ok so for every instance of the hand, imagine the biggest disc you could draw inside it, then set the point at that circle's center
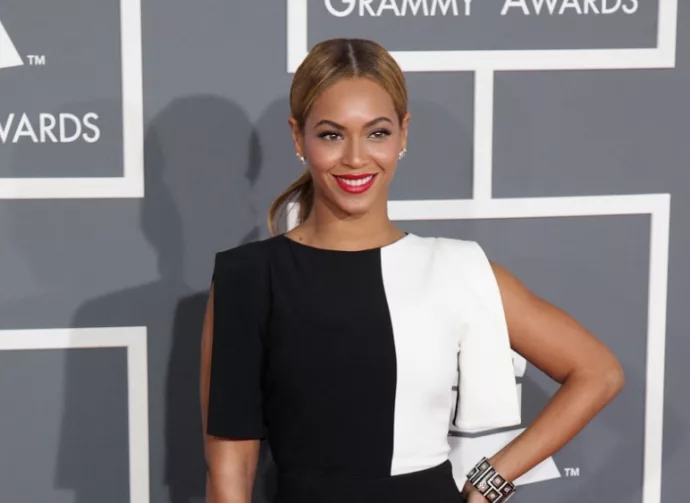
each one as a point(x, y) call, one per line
point(472, 495)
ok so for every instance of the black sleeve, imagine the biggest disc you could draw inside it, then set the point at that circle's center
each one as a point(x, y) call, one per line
point(240, 311)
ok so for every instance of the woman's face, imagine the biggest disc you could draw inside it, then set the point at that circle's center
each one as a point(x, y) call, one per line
point(351, 140)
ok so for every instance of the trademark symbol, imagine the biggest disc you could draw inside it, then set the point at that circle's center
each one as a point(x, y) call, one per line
point(572, 472)
point(36, 60)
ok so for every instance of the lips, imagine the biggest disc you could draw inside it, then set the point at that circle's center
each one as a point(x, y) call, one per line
point(355, 184)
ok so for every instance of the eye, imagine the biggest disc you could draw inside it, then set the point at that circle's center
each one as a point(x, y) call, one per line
point(379, 134)
point(329, 135)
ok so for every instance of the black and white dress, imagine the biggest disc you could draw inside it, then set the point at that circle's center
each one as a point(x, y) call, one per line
point(351, 363)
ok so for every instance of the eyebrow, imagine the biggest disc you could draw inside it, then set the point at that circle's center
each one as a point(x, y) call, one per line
point(340, 127)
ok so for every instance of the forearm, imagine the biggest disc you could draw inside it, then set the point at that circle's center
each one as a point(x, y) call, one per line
point(581, 396)
point(227, 490)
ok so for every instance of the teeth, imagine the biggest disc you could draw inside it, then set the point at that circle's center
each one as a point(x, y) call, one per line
point(356, 183)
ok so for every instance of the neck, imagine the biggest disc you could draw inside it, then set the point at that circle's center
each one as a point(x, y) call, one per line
point(325, 227)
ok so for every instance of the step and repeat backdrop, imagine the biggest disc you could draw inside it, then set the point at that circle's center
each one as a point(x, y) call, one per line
point(138, 138)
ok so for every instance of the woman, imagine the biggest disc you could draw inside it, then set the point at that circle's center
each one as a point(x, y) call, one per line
point(341, 340)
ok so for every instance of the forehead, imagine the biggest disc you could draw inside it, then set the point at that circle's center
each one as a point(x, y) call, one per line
point(350, 101)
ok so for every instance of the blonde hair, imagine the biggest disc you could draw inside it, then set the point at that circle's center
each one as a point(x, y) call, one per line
point(328, 62)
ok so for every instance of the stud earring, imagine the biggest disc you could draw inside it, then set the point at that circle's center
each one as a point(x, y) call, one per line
point(402, 153)
point(300, 157)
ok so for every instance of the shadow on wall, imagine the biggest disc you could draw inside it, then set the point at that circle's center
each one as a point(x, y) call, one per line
point(43, 234)
point(202, 161)
point(279, 165)
point(43, 230)
point(210, 175)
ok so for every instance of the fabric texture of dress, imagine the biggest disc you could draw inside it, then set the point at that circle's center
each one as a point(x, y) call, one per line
point(354, 364)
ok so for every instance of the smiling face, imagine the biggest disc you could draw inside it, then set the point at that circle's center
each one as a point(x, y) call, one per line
point(351, 139)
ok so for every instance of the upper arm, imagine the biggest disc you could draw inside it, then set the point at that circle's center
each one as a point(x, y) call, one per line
point(231, 378)
point(547, 336)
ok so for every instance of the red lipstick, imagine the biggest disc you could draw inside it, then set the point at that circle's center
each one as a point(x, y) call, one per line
point(355, 184)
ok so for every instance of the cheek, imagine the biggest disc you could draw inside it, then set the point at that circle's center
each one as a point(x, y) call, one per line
point(323, 156)
point(385, 154)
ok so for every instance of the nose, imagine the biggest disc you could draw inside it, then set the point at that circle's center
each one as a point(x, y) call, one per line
point(355, 155)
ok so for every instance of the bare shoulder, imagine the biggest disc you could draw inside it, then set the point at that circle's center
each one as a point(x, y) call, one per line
point(508, 282)
point(516, 295)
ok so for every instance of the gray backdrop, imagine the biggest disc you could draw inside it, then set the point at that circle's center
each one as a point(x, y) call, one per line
point(217, 150)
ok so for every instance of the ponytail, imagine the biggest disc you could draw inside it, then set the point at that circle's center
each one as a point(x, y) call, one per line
point(300, 191)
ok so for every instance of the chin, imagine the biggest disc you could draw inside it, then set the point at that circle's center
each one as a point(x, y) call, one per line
point(352, 204)
point(354, 208)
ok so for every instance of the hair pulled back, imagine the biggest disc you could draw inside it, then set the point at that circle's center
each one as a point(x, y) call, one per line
point(328, 62)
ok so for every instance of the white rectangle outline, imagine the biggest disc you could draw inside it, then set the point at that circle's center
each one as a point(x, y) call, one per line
point(131, 184)
point(663, 56)
point(132, 338)
point(658, 206)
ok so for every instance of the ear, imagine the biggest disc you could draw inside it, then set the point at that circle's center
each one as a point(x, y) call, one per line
point(297, 136)
point(403, 130)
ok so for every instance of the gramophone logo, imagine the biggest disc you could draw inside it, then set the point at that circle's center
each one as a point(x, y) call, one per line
point(9, 56)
